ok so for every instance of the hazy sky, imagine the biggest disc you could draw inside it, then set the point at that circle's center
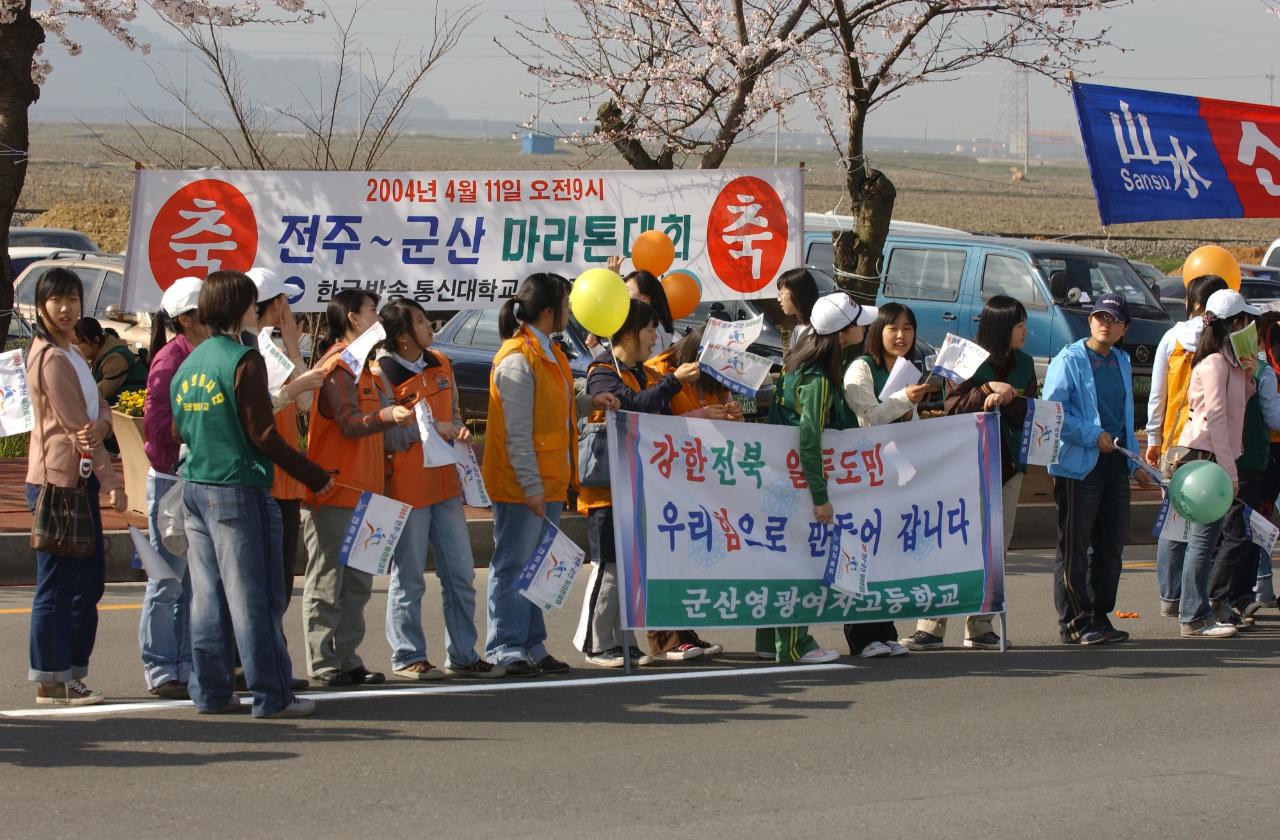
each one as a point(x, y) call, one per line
point(1219, 48)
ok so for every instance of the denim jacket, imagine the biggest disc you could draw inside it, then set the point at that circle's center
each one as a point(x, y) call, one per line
point(1070, 382)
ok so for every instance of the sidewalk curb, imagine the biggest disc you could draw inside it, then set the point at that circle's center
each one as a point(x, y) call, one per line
point(1037, 527)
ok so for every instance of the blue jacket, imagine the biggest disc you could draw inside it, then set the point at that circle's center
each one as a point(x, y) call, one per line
point(1070, 382)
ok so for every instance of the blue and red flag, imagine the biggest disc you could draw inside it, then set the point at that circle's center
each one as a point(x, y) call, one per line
point(1155, 156)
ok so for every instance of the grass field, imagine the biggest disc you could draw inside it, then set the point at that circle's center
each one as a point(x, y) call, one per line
point(70, 163)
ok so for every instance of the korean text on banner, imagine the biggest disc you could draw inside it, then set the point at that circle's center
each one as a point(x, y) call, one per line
point(1169, 525)
point(358, 351)
point(548, 576)
point(959, 359)
point(436, 451)
point(1041, 432)
point(16, 414)
point(714, 523)
point(473, 492)
point(375, 529)
point(846, 565)
point(1156, 156)
point(279, 366)
point(457, 240)
point(1260, 529)
point(724, 355)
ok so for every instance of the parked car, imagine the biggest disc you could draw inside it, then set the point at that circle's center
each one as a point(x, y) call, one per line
point(1256, 290)
point(945, 277)
point(25, 255)
point(1148, 272)
point(103, 279)
point(36, 237)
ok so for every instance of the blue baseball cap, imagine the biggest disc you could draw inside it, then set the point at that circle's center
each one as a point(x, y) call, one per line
point(1114, 305)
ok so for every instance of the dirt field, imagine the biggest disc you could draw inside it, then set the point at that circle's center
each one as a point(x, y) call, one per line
point(71, 164)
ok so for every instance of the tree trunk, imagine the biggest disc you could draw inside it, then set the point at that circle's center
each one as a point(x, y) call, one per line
point(18, 43)
point(860, 251)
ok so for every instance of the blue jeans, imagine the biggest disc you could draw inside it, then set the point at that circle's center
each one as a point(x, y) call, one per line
point(164, 634)
point(64, 612)
point(443, 528)
point(1169, 556)
point(237, 593)
point(516, 629)
point(1195, 572)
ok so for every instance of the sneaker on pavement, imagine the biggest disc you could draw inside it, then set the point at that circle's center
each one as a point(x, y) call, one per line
point(69, 693)
point(766, 655)
point(875, 649)
point(1115, 636)
point(299, 683)
point(709, 648)
point(481, 669)
point(640, 658)
point(1169, 609)
point(300, 707)
point(683, 652)
point(332, 678)
point(987, 641)
point(897, 648)
point(550, 665)
point(1208, 628)
point(520, 668)
point(607, 658)
point(231, 706)
point(363, 676)
point(1092, 636)
point(920, 640)
point(1250, 609)
point(171, 690)
point(423, 671)
point(818, 656)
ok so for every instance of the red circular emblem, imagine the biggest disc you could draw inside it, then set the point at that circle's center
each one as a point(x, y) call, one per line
point(747, 234)
point(204, 227)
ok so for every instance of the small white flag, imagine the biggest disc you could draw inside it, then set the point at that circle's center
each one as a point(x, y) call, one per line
point(1170, 526)
point(725, 358)
point(548, 576)
point(1041, 432)
point(436, 451)
point(847, 564)
point(376, 526)
point(1261, 531)
point(279, 366)
point(473, 492)
point(959, 359)
point(16, 415)
point(357, 351)
point(154, 565)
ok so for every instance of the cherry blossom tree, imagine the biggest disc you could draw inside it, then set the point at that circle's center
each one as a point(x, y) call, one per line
point(24, 27)
point(873, 50)
point(675, 79)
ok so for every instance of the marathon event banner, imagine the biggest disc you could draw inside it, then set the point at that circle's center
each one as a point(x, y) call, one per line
point(1155, 156)
point(456, 240)
point(714, 525)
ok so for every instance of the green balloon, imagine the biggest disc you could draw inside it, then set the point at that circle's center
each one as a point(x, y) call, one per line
point(1200, 491)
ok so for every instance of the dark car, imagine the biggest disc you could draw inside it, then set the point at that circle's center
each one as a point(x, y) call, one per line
point(1256, 290)
point(70, 240)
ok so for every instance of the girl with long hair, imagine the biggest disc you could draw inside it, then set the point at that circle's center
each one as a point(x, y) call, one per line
point(646, 288)
point(797, 293)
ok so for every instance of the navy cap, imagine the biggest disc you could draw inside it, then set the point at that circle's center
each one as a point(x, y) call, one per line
point(1114, 305)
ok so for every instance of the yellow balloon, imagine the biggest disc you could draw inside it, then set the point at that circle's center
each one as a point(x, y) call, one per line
point(1212, 259)
point(599, 301)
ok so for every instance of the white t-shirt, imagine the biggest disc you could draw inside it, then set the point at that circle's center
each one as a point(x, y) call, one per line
point(87, 386)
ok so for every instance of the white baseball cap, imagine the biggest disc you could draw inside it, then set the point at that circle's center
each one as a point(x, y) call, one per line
point(269, 284)
point(838, 310)
point(1225, 303)
point(182, 296)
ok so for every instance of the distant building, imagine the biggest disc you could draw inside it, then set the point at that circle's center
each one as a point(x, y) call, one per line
point(538, 144)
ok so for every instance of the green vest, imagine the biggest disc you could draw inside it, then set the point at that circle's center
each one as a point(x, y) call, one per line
point(879, 375)
point(135, 376)
point(1020, 376)
point(1256, 438)
point(208, 418)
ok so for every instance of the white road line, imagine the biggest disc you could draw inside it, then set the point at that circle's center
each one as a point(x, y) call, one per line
point(468, 688)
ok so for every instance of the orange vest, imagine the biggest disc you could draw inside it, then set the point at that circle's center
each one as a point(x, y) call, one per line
point(286, 487)
point(590, 498)
point(356, 462)
point(691, 397)
point(411, 482)
point(554, 414)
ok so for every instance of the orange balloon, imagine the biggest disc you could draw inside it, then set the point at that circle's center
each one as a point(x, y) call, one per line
point(683, 294)
point(653, 251)
point(1212, 259)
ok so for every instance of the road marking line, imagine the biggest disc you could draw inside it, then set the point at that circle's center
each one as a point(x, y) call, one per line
point(469, 688)
point(1140, 564)
point(101, 608)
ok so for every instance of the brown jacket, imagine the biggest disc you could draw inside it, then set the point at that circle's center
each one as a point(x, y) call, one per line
point(60, 411)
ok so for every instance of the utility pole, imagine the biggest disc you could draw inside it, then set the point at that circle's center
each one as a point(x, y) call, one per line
point(1026, 121)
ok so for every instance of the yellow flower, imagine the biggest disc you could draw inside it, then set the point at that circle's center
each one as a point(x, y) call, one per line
point(132, 403)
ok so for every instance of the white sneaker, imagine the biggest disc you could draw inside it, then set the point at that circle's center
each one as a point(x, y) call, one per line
point(1207, 628)
point(300, 707)
point(876, 649)
point(713, 649)
point(765, 655)
point(896, 649)
point(683, 652)
point(818, 656)
point(607, 658)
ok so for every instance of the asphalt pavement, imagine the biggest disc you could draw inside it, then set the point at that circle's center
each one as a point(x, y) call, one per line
point(1158, 737)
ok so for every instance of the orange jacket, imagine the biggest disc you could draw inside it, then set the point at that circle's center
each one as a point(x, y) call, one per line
point(357, 462)
point(411, 482)
point(590, 498)
point(691, 397)
point(554, 414)
point(285, 487)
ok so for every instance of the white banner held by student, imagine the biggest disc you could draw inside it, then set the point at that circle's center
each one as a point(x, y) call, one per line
point(376, 526)
point(279, 366)
point(548, 576)
point(847, 563)
point(473, 492)
point(357, 351)
point(1041, 432)
point(1261, 531)
point(16, 415)
point(436, 451)
point(959, 359)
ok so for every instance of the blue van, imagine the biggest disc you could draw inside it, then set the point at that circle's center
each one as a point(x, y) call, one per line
point(945, 276)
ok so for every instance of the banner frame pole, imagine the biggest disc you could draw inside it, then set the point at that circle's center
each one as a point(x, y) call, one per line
point(1004, 631)
point(624, 635)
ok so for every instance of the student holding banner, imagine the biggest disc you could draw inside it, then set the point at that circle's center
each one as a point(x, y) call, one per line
point(344, 436)
point(1093, 380)
point(891, 336)
point(66, 452)
point(164, 635)
point(1220, 388)
point(628, 379)
point(530, 462)
point(646, 288)
point(222, 412)
point(424, 376)
point(1001, 384)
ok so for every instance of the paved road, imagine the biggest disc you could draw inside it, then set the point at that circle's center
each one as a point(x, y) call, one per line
point(1157, 738)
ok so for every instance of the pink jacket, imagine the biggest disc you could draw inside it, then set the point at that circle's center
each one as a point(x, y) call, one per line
point(60, 411)
point(1216, 398)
